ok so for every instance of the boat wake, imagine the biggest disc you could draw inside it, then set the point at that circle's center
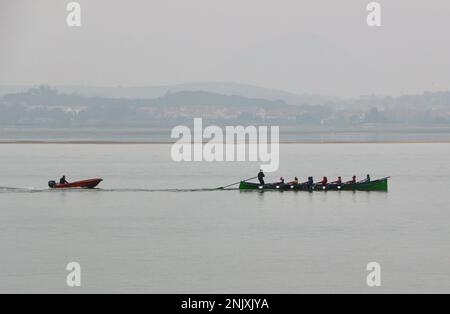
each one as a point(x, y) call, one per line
point(157, 190)
point(20, 190)
point(10, 190)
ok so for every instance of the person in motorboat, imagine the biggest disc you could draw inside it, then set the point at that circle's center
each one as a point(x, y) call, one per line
point(63, 180)
point(261, 176)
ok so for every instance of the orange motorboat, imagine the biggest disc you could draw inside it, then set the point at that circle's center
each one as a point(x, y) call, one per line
point(85, 184)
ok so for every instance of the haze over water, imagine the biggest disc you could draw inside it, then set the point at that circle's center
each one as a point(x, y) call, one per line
point(129, 238)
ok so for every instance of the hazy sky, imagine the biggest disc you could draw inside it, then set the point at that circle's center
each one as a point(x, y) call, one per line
point(314, 46)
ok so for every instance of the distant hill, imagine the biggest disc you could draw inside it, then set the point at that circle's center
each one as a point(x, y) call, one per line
point(48, 107)
point(224, 88)
point(203, 98)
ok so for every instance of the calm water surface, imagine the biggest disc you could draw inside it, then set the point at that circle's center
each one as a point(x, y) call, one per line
point(129, 238)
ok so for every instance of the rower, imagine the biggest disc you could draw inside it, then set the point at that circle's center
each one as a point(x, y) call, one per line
point(281, 180)
point(353, 180)
point(338, 181)
point(366, 180)
point(261, 176)
point(295, 182)
point(63, 180)
point(324, 181)
point(310, 183)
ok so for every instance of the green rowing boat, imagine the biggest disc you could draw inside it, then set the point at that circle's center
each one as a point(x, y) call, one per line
point(374, 185)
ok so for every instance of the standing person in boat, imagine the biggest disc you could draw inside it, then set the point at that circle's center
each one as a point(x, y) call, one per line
point(261, 176)
point(63, 180)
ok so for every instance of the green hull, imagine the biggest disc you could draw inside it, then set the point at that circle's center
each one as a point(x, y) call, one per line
point(375, 185)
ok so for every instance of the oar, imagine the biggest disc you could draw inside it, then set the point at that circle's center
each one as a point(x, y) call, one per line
point(227, 186)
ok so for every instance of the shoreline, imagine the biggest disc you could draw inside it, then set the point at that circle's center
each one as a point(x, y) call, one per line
point(96, 142)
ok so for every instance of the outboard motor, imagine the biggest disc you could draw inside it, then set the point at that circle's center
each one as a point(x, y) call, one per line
point(51, 184)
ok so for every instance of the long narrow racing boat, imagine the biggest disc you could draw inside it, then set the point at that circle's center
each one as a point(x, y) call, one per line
point(374, 185)
point(85, 184)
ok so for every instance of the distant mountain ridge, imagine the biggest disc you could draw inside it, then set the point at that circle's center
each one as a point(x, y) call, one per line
point(203, 98)
point(48, 107)
point(224, 88)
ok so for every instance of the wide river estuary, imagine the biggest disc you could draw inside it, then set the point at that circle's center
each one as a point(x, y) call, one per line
point(136, 233)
